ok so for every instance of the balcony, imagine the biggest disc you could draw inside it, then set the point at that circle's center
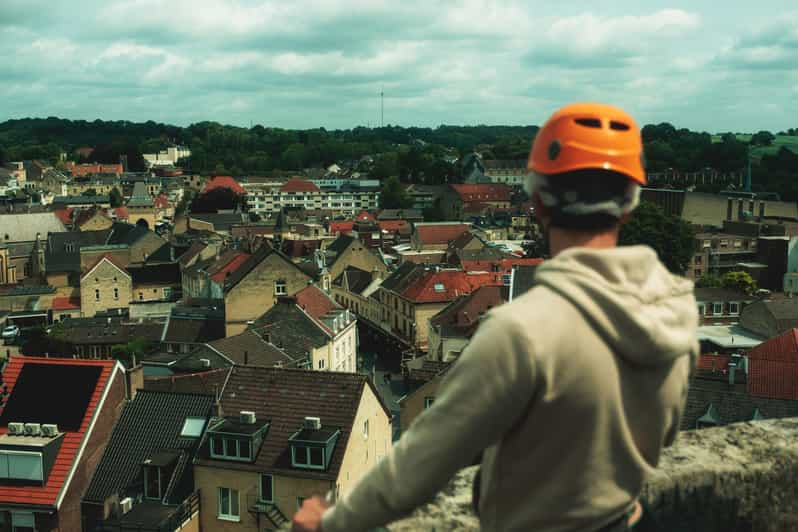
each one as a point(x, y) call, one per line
point(152, 516)
point(269, 510)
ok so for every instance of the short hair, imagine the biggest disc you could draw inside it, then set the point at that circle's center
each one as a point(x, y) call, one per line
point(586, 200)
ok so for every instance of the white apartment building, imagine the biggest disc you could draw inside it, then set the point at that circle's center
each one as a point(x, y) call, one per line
point(270, 197)
point(167, 157)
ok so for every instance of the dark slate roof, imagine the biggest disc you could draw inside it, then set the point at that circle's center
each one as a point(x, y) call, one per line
point(149, 424)
point(203, 382)
point(357, 280)
point(340, 244)
point(122, 233)
point(720, 294)
point(403, 276)
point(523, 279)
point(105, 330)
point(731, 406)
point(167, 253)
point(256, 258)
point(167, 273)
point(222, 221)
point(249, 348)
point(291, 329)
point(193, 330)
point(58, 259)
point(285, 397)
point(770, 318)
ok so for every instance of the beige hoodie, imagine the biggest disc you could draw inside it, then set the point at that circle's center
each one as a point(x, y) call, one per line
point(572, 390)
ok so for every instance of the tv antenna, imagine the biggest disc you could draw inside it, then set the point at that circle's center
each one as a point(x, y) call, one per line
point(382, 108)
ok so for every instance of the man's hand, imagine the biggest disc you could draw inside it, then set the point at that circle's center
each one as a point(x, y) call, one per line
point(308, 518)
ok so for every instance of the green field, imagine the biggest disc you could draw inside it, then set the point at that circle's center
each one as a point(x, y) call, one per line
point(781, 140)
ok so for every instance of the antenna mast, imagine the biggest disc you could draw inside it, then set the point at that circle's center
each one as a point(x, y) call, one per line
point(382, 108)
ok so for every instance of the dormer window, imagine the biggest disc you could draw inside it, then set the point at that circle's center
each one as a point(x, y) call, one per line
point(237, 438)
point(312, 445)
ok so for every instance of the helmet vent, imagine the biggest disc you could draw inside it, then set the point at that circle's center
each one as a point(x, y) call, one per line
point(619, 126)
point(589, 122)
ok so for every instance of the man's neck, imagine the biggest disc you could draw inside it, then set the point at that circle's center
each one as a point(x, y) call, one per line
point(562, 239)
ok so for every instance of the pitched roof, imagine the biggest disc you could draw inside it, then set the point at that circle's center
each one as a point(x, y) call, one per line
point(285, 397)
point(223, 181)
point(357, 280)
point(341, 243)
point(461, 317)
point(340, 226)
point(140, 196)
point(297, 184)
point(79, 386)
point(770, 317)
point(264, 251)
point(63, 249)
point(24, 227)
point(193, 250)
point(166, 273)
point(445, 285)
point(126, 234)
point(221, 221)
point(315, 301)
point(291, 329)
point(364, 216)
point(502, 265)
point(151, 423)
point(161, 201)
point(720, 294)
point(395, 226)
point(482, 192)
point(192, 329)
point(202, 382)
point(400, 214)
point(64, 214)
point(105, 258)
point(773, 367)
point(231, 266)
point(439, 233)
point(249, 348)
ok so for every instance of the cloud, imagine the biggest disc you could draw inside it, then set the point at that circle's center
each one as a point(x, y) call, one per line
point(774, 46)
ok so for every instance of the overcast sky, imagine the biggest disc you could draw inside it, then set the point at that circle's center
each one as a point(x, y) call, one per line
point(702, 64)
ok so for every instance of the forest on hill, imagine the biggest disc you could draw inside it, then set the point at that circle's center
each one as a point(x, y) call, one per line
point(411, 153)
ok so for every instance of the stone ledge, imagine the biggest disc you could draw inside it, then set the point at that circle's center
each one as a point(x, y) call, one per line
point(737, 478)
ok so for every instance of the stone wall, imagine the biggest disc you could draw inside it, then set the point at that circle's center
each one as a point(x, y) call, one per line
point(737, 478)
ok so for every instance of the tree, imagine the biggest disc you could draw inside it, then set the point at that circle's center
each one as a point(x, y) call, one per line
point(740, 281)
point(215, 200)
point(670, 236)
point(132, 351)
point(394, 196)
point(762, 138)
point(434, 213)
point(709, 281)
point(116, 198)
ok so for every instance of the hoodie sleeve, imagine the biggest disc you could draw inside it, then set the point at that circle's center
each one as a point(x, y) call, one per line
point(484, 393)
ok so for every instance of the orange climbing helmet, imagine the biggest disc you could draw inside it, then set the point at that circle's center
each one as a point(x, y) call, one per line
point(584, 136)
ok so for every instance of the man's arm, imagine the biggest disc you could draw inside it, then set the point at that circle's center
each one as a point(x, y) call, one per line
point(484, 393)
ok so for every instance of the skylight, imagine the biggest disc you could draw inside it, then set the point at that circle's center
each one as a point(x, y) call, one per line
point(192, 427)
point(439, 287)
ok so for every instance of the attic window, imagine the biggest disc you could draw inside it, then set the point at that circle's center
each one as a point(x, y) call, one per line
point(192, 427)
point(439, 287)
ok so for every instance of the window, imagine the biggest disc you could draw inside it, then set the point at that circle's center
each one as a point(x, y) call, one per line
point(506, 280)
point(697, 259)
point(167, 293)
point(321, 363)
point(734, 308)
point(21, 465)
point(707, 243)
point(23, 522)
point(96, 294)
point(307, 457)
point(279, 288)
point(738, 243)
point(428, 402)
point(717, 309)
point(228, 504)
point(192, 427)
point(266, 488)
point(366, 429)
point(698, 272)
point(439, 287)
point(152, 482)
point(231, 448)
point(141, 296)
point(116, 293)
point(701, 310)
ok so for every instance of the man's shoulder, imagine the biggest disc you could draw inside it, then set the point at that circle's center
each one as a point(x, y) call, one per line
point(537, 307)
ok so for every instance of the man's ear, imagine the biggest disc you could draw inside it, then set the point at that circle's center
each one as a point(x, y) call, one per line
point(625, 218)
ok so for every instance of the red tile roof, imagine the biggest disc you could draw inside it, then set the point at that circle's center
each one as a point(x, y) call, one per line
point(446, 285)
point(162, 201)
point(80, 170)
point(340, 227)
point(48, 494)
point(297, 184)
point(393, 226)
point(315, 302)
point(714, 362)
point(364, 216)
point(223, 181)
point(66, 303)
point(222, 273)
point(65, 215)
point(482, 192)
point(773, 367)
point(440, 233)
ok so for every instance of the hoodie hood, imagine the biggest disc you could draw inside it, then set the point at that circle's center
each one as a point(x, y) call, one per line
point(647, 315)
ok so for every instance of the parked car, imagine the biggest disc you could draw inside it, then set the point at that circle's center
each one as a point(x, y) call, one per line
point(11, 331)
